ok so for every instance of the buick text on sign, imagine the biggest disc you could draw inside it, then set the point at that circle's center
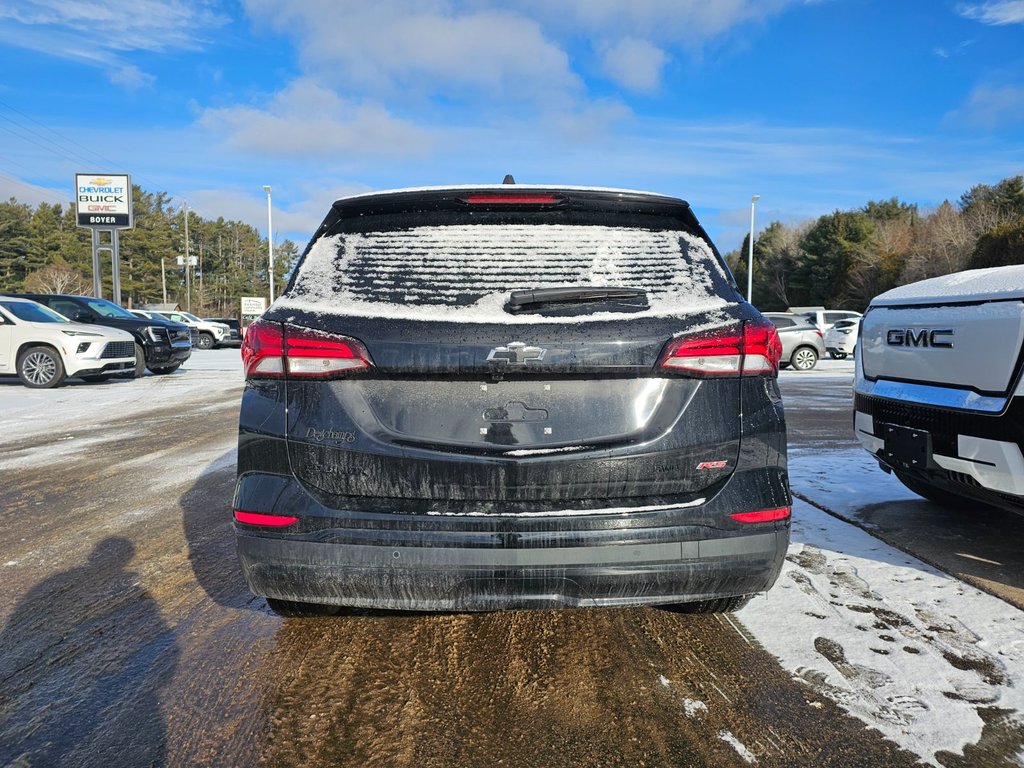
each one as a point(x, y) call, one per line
point(103, 200)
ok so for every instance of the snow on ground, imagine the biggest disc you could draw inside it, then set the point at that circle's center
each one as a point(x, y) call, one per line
point(25, 412)
point(908, 649)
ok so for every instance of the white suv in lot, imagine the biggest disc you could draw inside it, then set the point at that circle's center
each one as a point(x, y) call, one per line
point(43, 347)
point(939, 394)
point(210, 334)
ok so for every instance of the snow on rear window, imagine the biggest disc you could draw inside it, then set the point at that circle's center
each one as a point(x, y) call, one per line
point(464, 273)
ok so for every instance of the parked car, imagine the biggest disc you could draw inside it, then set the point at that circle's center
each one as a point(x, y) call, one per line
point(841, 338)
point(152, 314)
point(234, 336)
point(208, 334)
point(802, 342)
point(939, 395)
point(515, 397)
point(43, 347)
point(160, 345)
point(824, 319)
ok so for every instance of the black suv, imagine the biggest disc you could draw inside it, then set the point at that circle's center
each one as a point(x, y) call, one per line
point(506, 397)
point(234, 337)
point(160, 345)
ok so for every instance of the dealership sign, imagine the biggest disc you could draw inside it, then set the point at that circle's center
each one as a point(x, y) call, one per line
point(103, 200)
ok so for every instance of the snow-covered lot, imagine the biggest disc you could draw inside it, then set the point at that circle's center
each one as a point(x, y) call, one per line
point(928, 660)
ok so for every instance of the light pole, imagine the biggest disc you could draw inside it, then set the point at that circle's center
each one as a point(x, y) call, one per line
point(750, 252)
point(270, 241)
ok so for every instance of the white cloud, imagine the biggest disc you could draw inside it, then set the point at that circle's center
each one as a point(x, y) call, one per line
point(634, 64)
point(400, 47)
point(101, 33)
point(991, 107)
point(687, 22)
point(996, 13)
point(307, 119)
point(119, 25)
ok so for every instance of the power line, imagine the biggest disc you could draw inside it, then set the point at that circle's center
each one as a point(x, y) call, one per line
point(56, 148)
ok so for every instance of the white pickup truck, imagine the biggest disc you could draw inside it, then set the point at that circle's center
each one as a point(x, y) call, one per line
point(939, 396)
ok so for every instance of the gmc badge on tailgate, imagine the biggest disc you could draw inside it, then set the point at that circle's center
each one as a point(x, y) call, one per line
point(919, 337)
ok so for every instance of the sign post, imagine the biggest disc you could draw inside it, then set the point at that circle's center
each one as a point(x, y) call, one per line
point(103, 203)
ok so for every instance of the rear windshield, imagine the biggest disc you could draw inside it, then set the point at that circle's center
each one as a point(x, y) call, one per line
point(465, 272)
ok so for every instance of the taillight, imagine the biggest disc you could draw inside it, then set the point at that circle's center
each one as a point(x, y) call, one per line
point(258, 518)
point(761, 516)
point(753, 352)
point(272, 350)
point(511, 199)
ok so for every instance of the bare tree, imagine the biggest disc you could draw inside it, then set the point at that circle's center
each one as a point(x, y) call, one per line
point(57, 278)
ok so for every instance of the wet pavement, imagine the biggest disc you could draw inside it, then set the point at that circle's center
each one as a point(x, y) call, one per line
point(129, 639)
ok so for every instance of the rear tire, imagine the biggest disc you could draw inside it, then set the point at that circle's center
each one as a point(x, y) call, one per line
point(40, 368)
point(939, 496)
point(804, 358)
point(718, 605)
point(291, 609)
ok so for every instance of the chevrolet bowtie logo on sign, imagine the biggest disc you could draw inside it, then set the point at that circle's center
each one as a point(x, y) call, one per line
point(516, 353)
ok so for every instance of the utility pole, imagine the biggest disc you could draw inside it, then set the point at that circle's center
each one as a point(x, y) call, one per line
point(163, 278)
point(188, 265)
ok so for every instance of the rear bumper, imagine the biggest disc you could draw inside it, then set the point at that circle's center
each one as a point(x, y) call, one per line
point(446, 563)
point(449, 579)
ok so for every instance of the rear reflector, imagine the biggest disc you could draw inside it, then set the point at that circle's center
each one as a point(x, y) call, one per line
point(512, 199)
point(756, 351)
point(258, 518)
point(271, 350)
point(763, 516)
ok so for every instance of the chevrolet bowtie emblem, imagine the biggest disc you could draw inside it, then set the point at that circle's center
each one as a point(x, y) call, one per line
point(516, 353)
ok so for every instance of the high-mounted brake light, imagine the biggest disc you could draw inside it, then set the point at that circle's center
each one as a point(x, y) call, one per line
point(761, 516)
point(501, 199)
point(272, 350)
point(755, 351)
point(258, 518)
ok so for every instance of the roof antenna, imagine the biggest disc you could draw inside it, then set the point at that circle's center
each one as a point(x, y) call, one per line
point(508, 179)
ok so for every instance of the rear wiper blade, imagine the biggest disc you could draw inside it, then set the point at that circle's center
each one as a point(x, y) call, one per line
point(519, 301)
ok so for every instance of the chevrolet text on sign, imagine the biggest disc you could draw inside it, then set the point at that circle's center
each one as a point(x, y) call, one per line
point(103, 200)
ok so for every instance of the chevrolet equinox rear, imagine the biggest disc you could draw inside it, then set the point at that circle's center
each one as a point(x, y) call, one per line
point(478, 398)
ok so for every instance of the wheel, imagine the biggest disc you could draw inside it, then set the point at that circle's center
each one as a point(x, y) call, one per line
point(40, 368)
point(205, 341)
point(291, 609)
point(804, 358)
point(939, 496)
point(96, 377)
point(140, 364)
point(718, 605)
point(161, 370)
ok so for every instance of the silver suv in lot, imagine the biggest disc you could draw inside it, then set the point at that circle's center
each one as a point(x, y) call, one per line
point(802, 342)
point(939, 393)
point(477, 398)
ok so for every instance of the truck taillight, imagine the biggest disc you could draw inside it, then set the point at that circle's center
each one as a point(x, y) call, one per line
point(274, 350)
point(754, 351)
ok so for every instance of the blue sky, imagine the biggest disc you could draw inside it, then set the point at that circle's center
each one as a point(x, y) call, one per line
point(814, 105)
